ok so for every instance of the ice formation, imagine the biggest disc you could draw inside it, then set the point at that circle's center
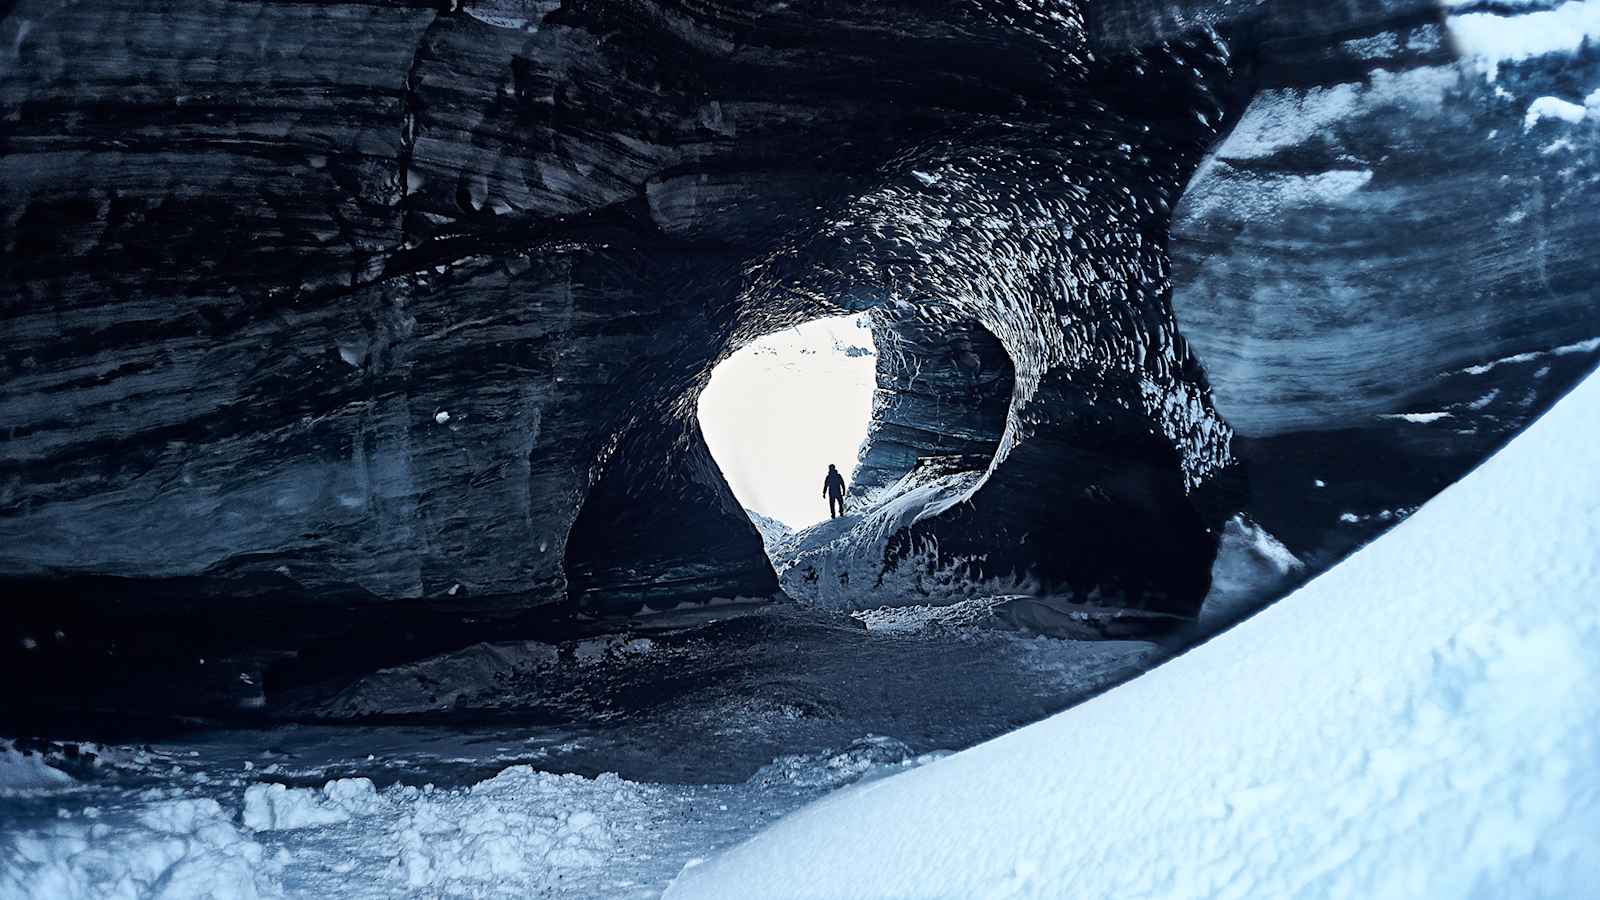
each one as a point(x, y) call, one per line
point(1418, 721)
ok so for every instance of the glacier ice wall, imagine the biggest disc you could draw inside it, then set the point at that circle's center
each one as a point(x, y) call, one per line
point(379, 324)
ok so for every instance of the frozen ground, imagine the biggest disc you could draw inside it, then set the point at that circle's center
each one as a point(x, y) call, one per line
point(164, 822)
point(611, 808)
point(1419, 721)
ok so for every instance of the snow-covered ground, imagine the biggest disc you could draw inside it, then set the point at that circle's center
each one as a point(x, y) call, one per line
point(162, 823)
point(1420, 721)
point(768, 713)
point(838, 563)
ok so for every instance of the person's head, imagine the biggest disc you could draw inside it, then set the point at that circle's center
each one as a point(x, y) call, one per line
point(831, 468)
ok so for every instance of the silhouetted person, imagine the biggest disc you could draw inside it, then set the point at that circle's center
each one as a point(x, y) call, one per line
point(833, 489)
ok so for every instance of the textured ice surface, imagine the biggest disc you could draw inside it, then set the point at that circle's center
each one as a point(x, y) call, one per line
point(1418, 721)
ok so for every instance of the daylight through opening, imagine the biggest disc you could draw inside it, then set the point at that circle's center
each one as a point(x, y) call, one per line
point(784, 407)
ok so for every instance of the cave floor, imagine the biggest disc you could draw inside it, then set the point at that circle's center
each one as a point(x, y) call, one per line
point(613, 806)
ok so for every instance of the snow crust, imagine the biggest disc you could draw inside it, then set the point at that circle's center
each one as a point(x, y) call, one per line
point(1418, 721)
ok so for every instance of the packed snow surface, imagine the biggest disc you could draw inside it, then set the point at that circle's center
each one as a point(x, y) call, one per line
point(1420, 721)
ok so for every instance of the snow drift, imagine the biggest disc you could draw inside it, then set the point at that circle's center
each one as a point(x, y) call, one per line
point(1419, 721)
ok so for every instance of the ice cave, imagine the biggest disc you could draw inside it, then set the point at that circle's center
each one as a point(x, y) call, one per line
point(414, 419)
point(784, 407)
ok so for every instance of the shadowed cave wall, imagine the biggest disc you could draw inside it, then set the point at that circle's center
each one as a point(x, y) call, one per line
point(435, 333)
point(317, 311)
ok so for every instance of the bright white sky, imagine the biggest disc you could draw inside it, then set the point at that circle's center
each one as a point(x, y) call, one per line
point(777, 412)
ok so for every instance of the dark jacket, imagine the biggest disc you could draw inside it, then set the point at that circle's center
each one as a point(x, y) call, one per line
point(833, 485)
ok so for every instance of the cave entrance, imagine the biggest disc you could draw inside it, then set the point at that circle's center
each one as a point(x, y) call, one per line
point(780, 410)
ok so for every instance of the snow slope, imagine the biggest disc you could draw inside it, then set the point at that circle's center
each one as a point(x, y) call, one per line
point(1420, 721)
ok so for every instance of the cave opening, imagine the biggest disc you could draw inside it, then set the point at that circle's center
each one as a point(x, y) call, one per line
point(782, 408)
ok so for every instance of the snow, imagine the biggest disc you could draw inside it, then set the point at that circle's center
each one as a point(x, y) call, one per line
point(1552, 108)
point(1417, 721)
point(275, 807)
point(872, 755)
point(1422, 418)
point(174, 849)
point(521, 833)
point(518, 833)
point(1585, 346)
point(1494, 39)
point(827, 564)
point(27, 773)
point(1251, 568)
point(772, 531)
